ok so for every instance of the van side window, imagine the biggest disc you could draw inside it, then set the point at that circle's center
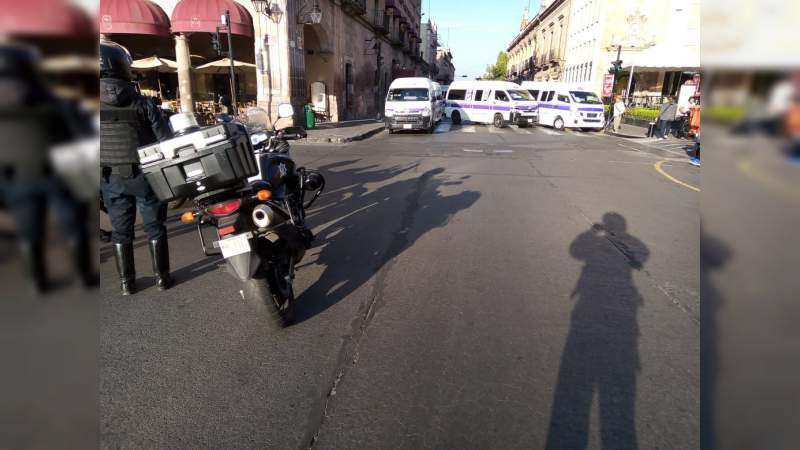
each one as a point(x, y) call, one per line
point(534, 93)
point(563, 98)
point(501, 95)
point(478, 95)
point(550, 96)
point(456, 94)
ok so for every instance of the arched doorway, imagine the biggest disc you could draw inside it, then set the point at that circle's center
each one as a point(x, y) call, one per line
point(319, 73)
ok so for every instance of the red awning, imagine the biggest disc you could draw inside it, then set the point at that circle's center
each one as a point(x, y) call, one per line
point(192, 16)
point(132, 17)
point(45, 18)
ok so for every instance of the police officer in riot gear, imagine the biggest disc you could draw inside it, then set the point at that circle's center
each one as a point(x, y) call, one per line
point(32, 120)
point(129, 120)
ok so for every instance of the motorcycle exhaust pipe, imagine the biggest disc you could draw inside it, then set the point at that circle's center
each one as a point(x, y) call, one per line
point(263, 216)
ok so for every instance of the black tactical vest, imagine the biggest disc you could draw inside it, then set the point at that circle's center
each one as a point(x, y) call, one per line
point(120, 129)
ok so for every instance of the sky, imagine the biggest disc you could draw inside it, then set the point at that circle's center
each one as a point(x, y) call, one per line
point(479, 29)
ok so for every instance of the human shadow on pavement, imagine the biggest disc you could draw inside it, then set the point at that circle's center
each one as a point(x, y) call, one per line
point(361, 232)
point(601, 354)
point(714, 255)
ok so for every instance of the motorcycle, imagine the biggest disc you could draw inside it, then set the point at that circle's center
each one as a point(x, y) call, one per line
point(260, 224)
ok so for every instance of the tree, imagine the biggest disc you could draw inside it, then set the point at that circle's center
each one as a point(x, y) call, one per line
point(498, 70)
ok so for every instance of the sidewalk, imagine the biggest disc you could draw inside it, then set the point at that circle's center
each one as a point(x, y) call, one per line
point(342, 132)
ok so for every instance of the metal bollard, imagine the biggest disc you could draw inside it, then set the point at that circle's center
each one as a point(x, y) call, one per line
point(651, 129)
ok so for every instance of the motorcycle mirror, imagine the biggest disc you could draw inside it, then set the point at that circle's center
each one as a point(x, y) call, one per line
point(285, 110)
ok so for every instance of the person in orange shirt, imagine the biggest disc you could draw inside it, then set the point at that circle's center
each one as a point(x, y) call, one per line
point(694, 116)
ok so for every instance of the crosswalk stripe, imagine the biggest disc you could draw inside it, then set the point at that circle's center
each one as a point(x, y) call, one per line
point(549, 131)
point(444, 127)
point(520, 130)
point(468, 129)
point(492, 129)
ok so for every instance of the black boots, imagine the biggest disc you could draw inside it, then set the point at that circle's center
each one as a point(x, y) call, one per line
point(32, 256)
point(123, 253)
point(159, 253)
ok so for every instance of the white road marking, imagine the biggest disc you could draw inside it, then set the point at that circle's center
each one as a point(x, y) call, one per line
point(493, 129)
point(502, 151)
point(549, 131)
point(520, 130)
point(472, 150)
point(468, 129)
point(444, 127)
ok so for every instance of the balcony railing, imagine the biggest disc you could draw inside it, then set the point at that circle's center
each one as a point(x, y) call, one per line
point(354, 7)
point(380, 21)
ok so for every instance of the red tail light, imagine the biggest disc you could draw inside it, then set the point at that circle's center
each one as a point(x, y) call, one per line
point(224, 209)
point(224, 231)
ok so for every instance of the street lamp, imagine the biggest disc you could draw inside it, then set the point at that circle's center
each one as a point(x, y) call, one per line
point(314, 16)
point(269, 9)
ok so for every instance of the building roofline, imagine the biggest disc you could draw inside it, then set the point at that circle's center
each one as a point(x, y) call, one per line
point(532, 23)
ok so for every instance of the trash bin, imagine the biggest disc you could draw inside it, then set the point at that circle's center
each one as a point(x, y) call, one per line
point(309, 108)
point(651, 129)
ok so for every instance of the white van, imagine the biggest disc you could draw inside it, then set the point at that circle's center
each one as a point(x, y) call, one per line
point(566, 105)
point(495, 102)
point(413, 104)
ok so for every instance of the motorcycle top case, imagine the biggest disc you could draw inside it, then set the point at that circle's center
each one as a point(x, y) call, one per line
point(198, 162)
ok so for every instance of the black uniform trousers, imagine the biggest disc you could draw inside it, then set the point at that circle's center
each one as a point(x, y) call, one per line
point(122, 195)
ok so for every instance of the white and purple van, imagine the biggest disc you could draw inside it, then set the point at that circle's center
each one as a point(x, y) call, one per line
point(491, 102)
point(413, 104)
point(565, 105)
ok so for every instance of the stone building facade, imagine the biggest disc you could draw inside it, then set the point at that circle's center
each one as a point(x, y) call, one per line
point(444, 65)
point(538, 51)
point(430, 42)
point(659, 44)
point(345, 60)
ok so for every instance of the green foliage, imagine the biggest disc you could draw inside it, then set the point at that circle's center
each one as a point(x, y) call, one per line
point(727, 114)
point(642, 113)
point(497, 71)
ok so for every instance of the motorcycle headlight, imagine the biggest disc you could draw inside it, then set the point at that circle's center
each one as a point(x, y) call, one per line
point(257, 138)
point(426, 112)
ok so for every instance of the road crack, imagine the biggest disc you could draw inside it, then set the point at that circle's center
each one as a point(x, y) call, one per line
point(349, 353)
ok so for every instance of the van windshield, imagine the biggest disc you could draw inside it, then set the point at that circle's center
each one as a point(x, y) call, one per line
point(585, 97)
point(407, 95)
point(520, 95)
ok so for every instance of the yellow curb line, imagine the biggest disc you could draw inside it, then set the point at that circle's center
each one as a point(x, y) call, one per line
point(673, 179)
point(746, 168)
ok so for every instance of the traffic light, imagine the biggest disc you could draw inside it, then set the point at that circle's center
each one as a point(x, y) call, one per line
point(215, 43)
point(616, 67)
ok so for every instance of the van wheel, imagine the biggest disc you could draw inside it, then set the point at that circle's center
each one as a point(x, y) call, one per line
point(456, 118)
point(498, 121)
point(558, 124)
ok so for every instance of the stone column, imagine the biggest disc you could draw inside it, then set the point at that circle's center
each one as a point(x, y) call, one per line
point(184, 71)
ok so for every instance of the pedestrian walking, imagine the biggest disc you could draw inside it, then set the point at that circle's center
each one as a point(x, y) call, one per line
point(665, 117)
point(129, 120)
point(619, 110)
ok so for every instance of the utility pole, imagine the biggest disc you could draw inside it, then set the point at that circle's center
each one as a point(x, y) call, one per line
point(226, 25)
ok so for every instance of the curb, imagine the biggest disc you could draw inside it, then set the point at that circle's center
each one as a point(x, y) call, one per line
point(623, 135)
point(345, 139)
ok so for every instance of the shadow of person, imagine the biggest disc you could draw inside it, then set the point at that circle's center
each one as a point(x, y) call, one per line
point(714, 255)
point(601, 353)
point(355, 229)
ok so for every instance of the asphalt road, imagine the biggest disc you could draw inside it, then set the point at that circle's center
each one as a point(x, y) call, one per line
point(474, 288)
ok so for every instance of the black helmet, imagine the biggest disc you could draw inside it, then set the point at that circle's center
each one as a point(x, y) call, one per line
point(115, 61)
point(18, 61)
